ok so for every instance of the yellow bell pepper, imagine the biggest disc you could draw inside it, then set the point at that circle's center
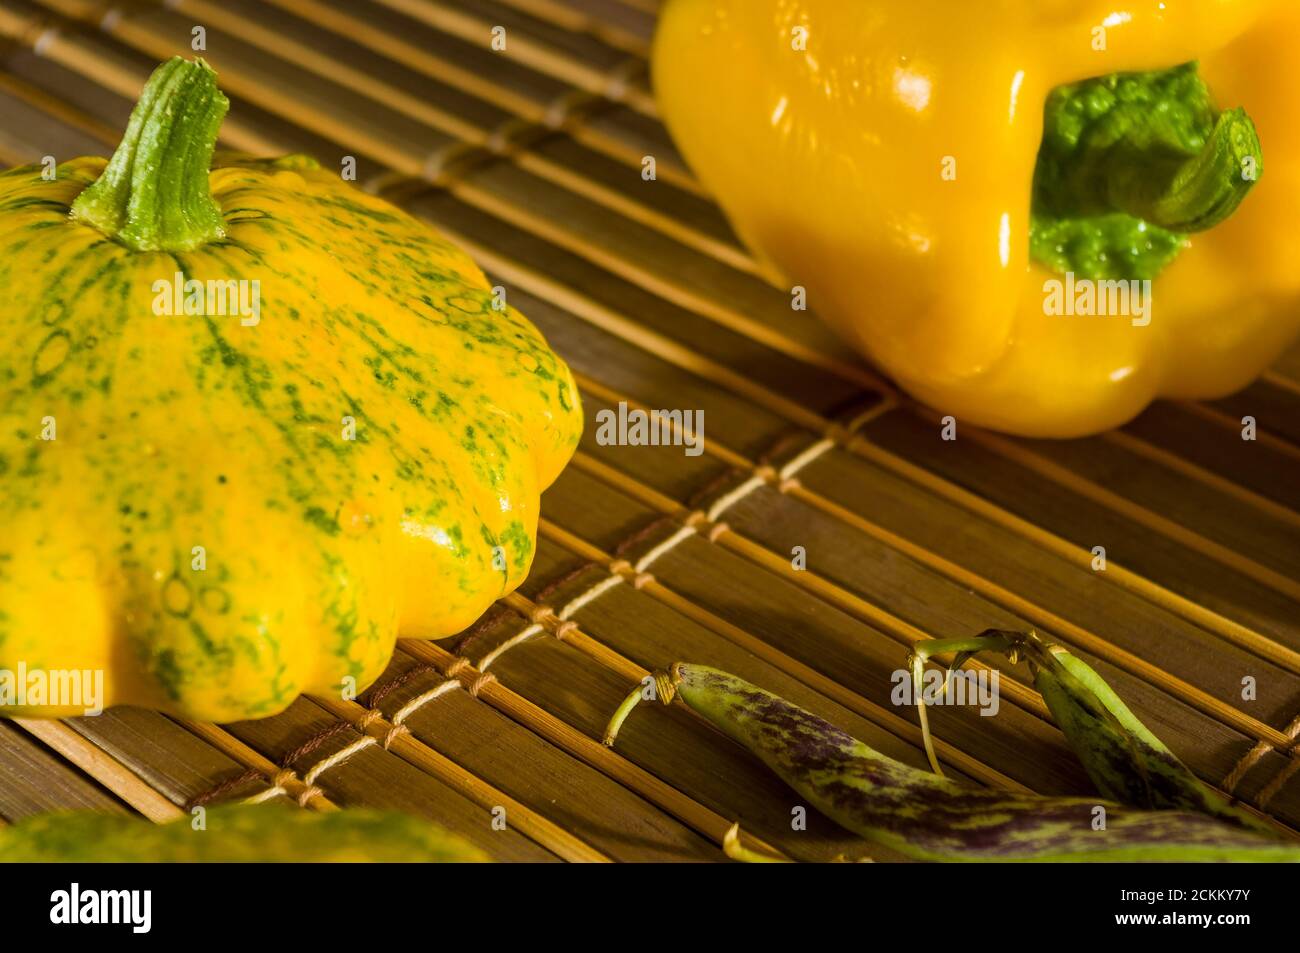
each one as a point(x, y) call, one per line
point(886, 157)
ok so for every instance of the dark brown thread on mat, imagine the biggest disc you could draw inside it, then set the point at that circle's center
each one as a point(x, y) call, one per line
point(1274, 787)
point(279, 780)
point(32, 36)
point(839, 435)
point(618, 79)
point(619, 567)
point(391, 734)
point(1256, 754)
point(699, 521)
point(771, 472)
point(725, 478)
point(93, 20)
point(482, 681)
point(645, 531)
point(851, 408)
point(445, 168)
point(548, 618)
point(378, 693)
point(624, 569)
point(314, 742)
point(787, 441)
point(556, 584)
point(488, 620)
point(568, 107)
point(514, 135)
point(225, 787)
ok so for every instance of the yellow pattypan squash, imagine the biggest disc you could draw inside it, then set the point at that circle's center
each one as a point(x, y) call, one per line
point(253, 425)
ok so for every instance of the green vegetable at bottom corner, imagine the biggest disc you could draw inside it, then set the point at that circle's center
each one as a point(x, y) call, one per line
point(235, 834)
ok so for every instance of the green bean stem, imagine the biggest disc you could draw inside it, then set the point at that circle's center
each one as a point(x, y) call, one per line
point(620, 715)
point(665, 690)
point(1122, 757)
point(965, 648)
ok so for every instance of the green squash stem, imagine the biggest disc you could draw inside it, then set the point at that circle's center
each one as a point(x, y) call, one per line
point(154, 193)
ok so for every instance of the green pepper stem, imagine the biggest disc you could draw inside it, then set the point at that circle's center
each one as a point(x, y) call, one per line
point(154, 194)
point(1201, 192)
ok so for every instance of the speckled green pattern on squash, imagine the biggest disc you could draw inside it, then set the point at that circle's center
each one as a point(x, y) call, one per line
point(238, 833)
point(231, 514)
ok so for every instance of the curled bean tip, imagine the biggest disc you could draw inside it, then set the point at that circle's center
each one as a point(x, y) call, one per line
point(733, 848)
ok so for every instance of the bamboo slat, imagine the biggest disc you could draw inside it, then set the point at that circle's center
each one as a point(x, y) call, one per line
point(569, 57)
point(162, 754)
point(509, 755)
point(255, 761)
point(377, 778)
point(614, 130)
point(765, 606)
point(728, 784)
point(939, 530)
point(615, 24)
point(806, 674)
point(35, 780)
point(101, 766)
point(1086, 523)
point(559, 732)
point(429, 761)
point(1178, 429)
point(685, 217)
point(811, 579)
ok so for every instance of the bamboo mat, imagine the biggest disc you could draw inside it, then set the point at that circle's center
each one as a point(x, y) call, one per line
point(531, 159)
